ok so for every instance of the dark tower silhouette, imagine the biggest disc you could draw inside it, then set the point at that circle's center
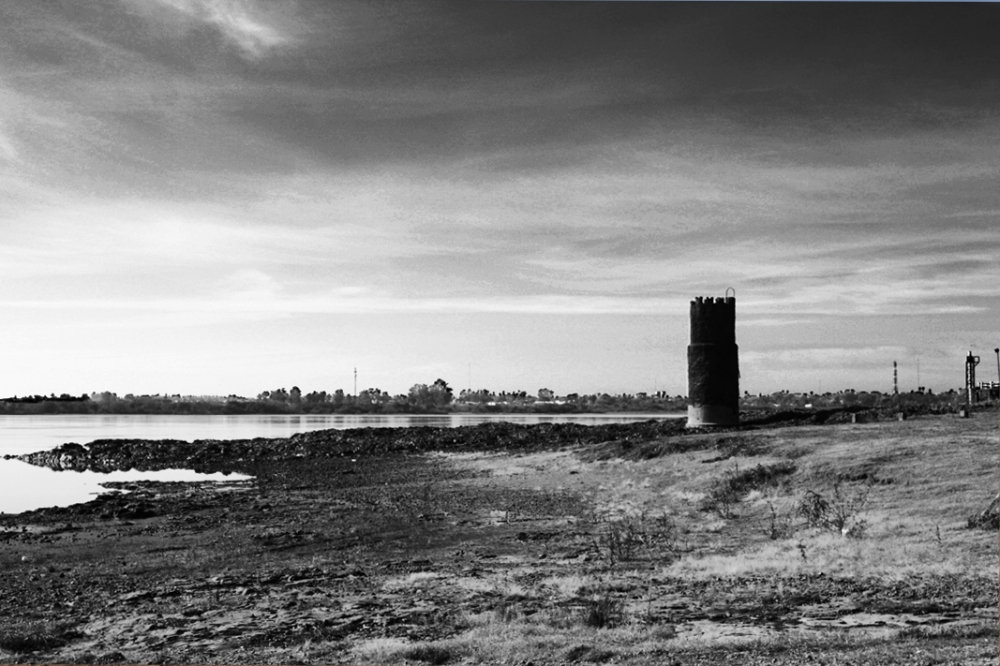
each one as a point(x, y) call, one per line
point(713, 364)
point(971, 394)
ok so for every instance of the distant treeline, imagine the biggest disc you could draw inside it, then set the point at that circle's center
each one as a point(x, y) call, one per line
point(439, 398)
point(435, 398)
point(65, 397)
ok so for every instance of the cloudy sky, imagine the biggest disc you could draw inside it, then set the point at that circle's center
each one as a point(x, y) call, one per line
point(228, 196)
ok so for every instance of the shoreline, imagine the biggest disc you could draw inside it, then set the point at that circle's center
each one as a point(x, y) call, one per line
point(496, 543)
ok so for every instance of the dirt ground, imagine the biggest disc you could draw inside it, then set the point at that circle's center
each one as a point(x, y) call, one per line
point(826, 544)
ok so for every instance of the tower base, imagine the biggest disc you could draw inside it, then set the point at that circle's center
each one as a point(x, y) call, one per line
point(700, 416)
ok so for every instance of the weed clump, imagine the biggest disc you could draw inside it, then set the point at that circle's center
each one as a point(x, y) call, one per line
point(623, 540)
point(429, 654)
point(988, 518)
point(735, 485)
point(589, 654)
point(508, 610)
point(603, 611)
point(37, 636)
point(837, 513)
point(778, 524)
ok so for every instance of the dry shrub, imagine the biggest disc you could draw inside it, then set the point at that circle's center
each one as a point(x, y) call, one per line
point(735, 485)
point(988, 518)
point(508, 610)
point(623, 540)
point(429, 654)
point(604, 611)
point(838, 512)
point(37, 636)
point(589, 654)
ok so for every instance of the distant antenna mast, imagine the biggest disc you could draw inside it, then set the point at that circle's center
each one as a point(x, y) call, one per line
point(895, 379)
point(355, 382)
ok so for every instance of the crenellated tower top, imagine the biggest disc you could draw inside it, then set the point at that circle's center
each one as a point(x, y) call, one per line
point(713, 363)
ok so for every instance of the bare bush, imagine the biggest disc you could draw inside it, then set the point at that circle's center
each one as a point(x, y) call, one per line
point(778, 524)
point(838, 512)
point(624, 539)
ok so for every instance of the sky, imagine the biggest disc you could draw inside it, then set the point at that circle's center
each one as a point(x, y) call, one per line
point(232, 196)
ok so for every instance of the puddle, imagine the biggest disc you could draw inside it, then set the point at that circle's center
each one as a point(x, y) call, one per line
point(25, 487)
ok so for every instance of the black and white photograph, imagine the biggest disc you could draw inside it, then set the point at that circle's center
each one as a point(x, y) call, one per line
point(521, 332)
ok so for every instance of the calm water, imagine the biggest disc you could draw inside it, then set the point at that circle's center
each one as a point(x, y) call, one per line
point(24, 487)
point(25, 434)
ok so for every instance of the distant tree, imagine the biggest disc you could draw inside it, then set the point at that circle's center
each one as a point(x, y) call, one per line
point(315, 398)
point(372, 396)
point(436, 396)
point(442, 392)
point(419, 395)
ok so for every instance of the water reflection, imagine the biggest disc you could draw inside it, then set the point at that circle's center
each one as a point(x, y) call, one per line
point(27, 434)
point(25, 487)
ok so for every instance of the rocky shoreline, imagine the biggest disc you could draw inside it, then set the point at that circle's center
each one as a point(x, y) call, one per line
point(105, 455)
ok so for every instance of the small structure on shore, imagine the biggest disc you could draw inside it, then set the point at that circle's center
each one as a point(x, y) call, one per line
point(713, 363)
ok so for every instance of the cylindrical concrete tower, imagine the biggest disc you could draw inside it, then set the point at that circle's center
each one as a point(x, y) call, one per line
point(713, 364)
point(971, 394)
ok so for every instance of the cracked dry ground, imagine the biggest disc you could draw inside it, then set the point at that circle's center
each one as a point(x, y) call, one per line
point(468, 557)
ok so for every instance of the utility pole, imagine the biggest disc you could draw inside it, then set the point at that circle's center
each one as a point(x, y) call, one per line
point(895, 380)
point(355, 382)
point(997, 352)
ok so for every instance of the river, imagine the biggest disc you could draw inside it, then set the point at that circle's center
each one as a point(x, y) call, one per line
point(24, 487)
point(26, 434)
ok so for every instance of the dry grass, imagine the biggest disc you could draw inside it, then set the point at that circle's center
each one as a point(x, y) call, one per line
point(911, 485)
point(490, 640)
point(922, 479)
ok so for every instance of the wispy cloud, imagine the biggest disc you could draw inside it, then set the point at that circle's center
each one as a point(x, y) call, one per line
point(8, 152)
point(241, 22)
point(256, 293)
point(182, 164)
